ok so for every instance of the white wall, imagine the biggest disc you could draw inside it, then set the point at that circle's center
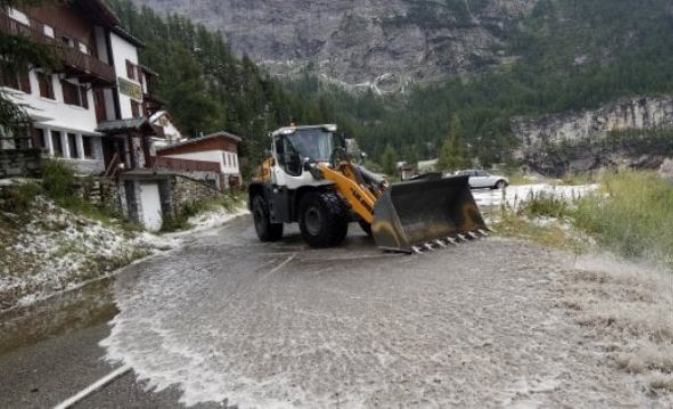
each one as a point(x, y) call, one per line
point(55, 113)
point(122, 50)
point(230, 167)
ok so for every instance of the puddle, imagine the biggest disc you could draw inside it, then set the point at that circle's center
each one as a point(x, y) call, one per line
point(67, 312)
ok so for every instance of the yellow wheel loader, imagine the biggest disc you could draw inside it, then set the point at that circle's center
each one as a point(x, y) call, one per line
point(310, 179)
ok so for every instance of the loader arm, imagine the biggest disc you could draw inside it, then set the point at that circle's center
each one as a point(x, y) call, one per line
point(360, 198)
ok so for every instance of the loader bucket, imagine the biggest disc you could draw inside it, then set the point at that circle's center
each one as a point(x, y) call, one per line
point(415, 213)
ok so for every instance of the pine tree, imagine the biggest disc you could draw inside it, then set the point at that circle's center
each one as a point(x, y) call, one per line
point(389, 160)
point(453, 155)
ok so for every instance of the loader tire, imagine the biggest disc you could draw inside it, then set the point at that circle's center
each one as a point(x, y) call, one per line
point(266, 231)
point(323, 219)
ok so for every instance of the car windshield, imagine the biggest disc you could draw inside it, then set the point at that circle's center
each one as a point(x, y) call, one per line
point(316, 144)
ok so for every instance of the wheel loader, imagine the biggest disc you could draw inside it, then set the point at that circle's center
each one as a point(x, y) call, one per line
point(310, 178)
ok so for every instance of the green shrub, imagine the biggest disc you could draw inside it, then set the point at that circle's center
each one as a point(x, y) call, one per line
point(18, 199)
point(58, 181)
point(545, 204)
point(632, 215)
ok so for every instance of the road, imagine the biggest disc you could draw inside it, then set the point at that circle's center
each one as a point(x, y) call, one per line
point(226, 319)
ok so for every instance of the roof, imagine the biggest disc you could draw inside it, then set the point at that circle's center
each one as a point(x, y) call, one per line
point(196, 141)
point(99, 11)
point(147, 174)
point(148, 70)
point(123, 33)
point(123, 125)
point(224, 134)
point(292, 129)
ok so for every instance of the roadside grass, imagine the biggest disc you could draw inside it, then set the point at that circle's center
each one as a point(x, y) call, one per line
point(579, 179)
point(631, 215)
point(229, 202)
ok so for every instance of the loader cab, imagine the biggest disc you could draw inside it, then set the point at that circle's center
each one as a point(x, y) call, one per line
point(293, 146)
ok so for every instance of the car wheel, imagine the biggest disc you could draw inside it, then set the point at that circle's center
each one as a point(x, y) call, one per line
point(266, 231)
point(323, 219)
point(501, 185)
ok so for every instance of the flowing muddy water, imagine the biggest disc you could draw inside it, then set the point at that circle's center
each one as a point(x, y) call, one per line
point(87, 306)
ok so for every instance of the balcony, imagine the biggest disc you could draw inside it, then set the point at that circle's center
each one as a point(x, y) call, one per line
point(75, 63)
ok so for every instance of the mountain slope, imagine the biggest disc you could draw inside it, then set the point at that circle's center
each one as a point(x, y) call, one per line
point(383, 42)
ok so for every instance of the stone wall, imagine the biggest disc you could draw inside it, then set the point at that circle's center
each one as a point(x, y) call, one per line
point(186, 190)
point(20, 163)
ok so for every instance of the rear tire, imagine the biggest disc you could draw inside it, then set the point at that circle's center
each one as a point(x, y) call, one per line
point(266, 231)
point(323, 219)
point(501, 185)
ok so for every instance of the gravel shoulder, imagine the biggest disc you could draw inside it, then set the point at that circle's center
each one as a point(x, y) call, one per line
point(488, 324)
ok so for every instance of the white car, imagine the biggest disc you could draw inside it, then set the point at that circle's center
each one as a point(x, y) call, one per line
point(480, 179)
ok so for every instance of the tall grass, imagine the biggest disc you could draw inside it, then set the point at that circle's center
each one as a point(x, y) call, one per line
point(632, 215)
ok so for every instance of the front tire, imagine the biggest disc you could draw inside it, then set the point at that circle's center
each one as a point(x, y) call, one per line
point(323, 219)
point(266, 231)
point(501, 185)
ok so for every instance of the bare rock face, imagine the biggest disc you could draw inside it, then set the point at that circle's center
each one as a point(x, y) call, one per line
point(383, 44)
point(622, 115)
point(576, 141)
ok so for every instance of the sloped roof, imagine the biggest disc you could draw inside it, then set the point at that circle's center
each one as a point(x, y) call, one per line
point(196, 141)
point(123, 125)
point(99, 11)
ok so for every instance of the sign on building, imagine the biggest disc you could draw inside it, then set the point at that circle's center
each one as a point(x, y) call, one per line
point(130, 89)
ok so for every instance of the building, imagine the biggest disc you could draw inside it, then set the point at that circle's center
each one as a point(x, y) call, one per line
point(67, 104)
point(97, 110)
point(214, 155)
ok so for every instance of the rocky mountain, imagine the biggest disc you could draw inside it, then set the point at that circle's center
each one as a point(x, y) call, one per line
point(629, 132)
point(383, 44)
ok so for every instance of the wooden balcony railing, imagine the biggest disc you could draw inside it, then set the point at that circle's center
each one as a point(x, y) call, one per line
point(75, 62)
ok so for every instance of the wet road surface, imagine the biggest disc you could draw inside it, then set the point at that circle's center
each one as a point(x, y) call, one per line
point(227, 319)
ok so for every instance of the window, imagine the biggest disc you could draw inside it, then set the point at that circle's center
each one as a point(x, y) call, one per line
point(19, 16)
point(57, 143)
point(68, 41)
point(48, 31)
point(74, 94)
point(84, 97)
point(72, 145)
point(46, 85)
point(235, 160)
point(131, 70)
point(135, 109)
point(16, 81)
point(40, 138)
point(87, 144)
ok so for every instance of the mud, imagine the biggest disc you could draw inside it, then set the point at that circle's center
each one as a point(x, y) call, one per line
point(481, 325)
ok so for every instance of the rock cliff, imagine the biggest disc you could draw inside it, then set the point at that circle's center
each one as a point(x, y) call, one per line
point(383, 44)
point(580, 141)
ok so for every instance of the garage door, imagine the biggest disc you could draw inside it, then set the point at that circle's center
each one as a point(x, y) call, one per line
point(151, 205)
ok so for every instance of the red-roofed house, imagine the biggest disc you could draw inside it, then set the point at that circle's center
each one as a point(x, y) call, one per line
point(216, 154)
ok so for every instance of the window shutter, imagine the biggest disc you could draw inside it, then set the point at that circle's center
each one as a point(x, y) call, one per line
point(24, 80)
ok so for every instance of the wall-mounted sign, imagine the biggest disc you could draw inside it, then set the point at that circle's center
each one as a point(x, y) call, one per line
point(130, 89)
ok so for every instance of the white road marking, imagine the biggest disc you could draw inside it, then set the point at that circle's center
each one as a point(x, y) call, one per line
point(93, 387)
